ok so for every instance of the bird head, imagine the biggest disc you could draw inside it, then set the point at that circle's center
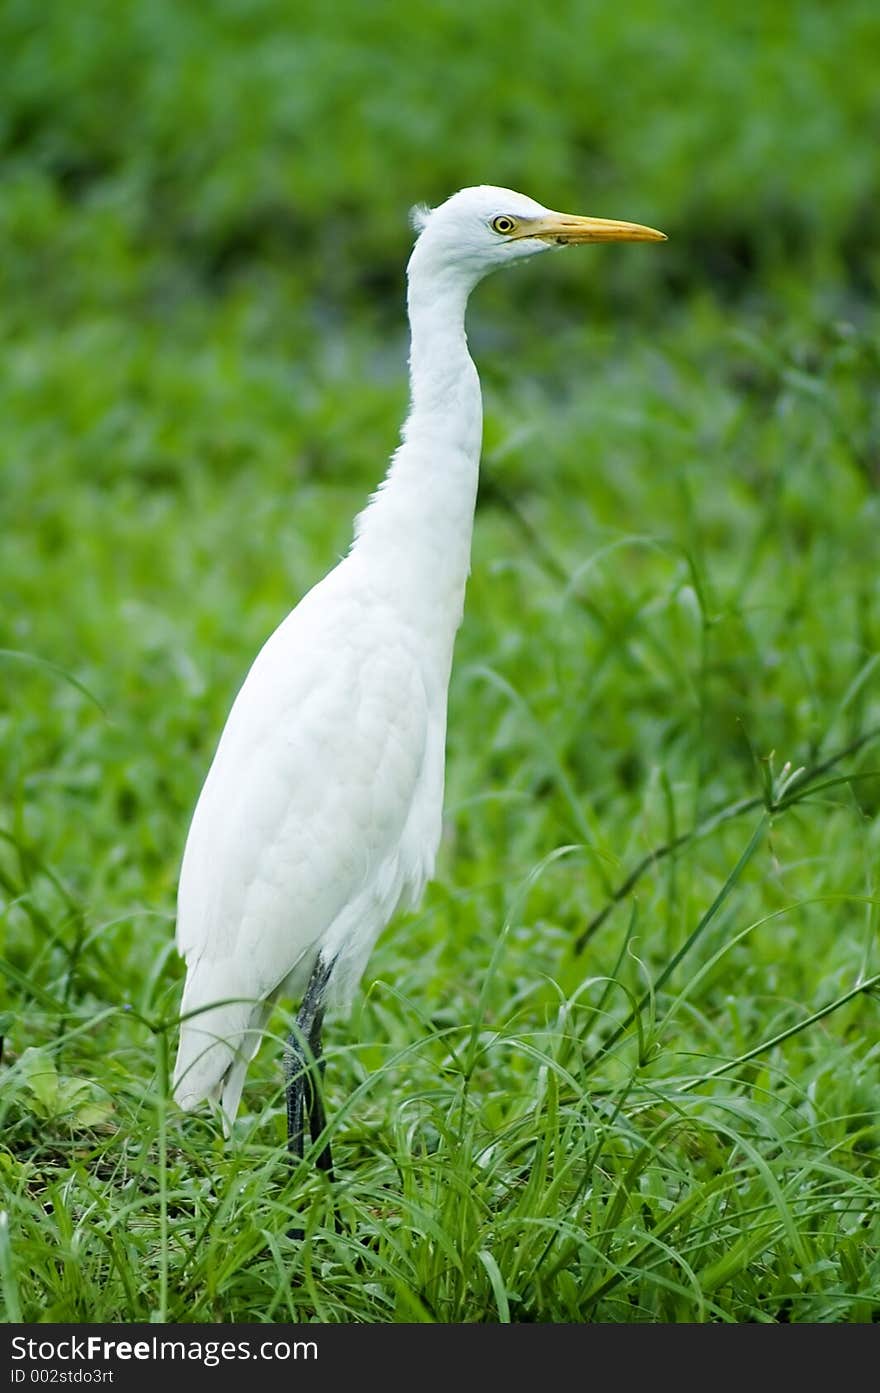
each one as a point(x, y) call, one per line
point(479, 229)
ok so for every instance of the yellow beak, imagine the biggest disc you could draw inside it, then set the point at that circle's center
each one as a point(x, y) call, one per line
point(566, 229)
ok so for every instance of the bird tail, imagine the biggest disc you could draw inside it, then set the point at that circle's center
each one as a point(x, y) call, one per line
point(217, 1043)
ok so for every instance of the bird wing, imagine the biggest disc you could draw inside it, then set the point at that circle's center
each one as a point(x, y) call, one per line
point(301, 816)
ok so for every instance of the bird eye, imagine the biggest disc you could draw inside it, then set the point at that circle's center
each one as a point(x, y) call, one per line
point(503, 224)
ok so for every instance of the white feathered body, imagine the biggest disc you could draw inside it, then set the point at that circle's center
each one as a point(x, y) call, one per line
point(321, 813)
point(319, 817)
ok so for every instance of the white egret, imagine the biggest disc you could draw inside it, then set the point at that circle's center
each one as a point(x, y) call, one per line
point(320, 814)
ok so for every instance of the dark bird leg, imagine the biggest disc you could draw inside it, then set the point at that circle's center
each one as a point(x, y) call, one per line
point(304, 1070)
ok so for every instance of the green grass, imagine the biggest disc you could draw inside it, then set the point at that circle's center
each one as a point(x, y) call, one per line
point(674, 597)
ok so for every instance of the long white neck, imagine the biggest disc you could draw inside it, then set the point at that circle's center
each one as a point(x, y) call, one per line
point(416, 529)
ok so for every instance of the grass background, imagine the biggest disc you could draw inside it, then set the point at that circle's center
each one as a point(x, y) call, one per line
point(674, 595)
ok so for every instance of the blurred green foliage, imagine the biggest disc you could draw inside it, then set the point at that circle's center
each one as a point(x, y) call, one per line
point(154, 149)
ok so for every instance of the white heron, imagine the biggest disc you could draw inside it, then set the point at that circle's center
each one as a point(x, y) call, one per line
point(320, 815)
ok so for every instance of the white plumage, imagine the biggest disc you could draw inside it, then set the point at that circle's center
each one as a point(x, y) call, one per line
point(321, 812)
